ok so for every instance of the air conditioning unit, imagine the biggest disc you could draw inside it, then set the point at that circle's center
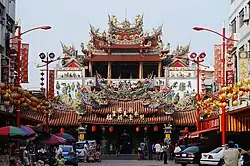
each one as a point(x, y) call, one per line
point(236, 36)
point(246, 17)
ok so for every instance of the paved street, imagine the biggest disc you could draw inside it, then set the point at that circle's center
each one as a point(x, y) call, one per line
point(128, 163)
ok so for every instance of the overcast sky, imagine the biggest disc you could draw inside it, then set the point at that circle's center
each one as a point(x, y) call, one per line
point(70, 20)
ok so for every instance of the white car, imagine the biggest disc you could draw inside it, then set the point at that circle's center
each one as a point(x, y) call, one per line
point(213, 157)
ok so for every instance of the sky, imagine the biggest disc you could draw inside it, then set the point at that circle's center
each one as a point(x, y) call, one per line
point(70, 21)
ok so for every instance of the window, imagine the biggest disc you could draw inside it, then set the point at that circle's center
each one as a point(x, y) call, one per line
point(233, 25)
point(241, 17)
point(217, 150)
point(192, 149)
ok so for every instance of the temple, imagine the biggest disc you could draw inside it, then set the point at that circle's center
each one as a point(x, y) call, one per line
point(125, 87)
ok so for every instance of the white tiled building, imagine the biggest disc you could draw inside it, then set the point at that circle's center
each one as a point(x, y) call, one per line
point(239, 15)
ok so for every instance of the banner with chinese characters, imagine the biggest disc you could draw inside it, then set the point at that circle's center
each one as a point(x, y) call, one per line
point(217, 63)
point(243, 65)
point(229, 77)
point(24, 63)
point(51, 84)
point(210, 123)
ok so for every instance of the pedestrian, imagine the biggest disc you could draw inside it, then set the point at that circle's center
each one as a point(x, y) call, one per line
point(26, 157)
point(58, 151)
point(139, 153)
point(246, 156)
point(142, 145)
point(158, 150)
point(165, 156)
point(60, 161)
point(150, 151)
point(231, 155)
point(177, 148)
point(161, 151)
point(171, 152)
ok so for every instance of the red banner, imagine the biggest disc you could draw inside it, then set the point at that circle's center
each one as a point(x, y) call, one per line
point(230, 77)
point(24, 63)
point(51, 84)
point(217, 63)
point(210, 123)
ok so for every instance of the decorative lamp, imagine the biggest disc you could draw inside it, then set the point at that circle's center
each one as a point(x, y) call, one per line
point(145, 129)
point(62, 130)
point(93, 128)
point(137, 129)
point(111, 129)
point(156, 128)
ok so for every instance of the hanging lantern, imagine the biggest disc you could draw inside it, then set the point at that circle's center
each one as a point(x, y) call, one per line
point(137, 129)
point(145, 129)
point(156, 128)
point(62, 130)
point(93, 128)
point(186, 130)
point(103, 129)
point(111, 129)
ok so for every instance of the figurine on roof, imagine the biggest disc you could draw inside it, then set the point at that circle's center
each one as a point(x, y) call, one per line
point(138, 19)
point(68, 50)
point(113, 20)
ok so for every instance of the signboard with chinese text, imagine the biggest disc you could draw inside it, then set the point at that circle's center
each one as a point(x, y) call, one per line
point(24, 63)
point(217, 63)
point(243, 65)
point(211, 123)
point(230, 77)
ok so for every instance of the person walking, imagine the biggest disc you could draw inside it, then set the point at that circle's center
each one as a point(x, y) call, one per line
point(231, 155)
point(177, 148)
point(142, 146)
point(165, 156)
point(171, 152)
point(150, 151)
point(158, 150)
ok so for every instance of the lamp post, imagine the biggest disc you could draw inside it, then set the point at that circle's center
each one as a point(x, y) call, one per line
point(19, 44)
point(47, 59)
point(197, 59)
point(224, 38)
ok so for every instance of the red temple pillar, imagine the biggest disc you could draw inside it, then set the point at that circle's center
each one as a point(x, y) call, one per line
point(159, 69)
point(141, 70)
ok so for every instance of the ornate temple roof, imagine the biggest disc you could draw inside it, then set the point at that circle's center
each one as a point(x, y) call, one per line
point(125, 33)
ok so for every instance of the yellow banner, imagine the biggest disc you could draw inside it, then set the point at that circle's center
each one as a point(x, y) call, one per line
point(243, 66)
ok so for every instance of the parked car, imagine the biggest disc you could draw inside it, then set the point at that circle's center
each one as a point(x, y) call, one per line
point(69, 155)
point(213, 157)
point(190, 155)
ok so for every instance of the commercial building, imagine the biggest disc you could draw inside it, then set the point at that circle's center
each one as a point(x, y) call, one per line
point(7, 28)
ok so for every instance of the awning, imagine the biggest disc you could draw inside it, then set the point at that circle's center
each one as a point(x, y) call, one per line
point(197, 133)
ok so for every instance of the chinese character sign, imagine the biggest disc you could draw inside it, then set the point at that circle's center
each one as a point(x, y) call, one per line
point(217, 63)
point(51, 84)
point(24, 63)
point(243, 65)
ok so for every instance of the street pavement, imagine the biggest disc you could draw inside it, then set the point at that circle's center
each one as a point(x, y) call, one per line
point(130, 163)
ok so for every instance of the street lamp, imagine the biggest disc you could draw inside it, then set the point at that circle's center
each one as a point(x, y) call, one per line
point(197, 59)
point(223, 35)
point(19, 43)
point(47, 59)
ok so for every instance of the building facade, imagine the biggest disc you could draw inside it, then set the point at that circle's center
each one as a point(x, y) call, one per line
point(7, 28)
point(240, 29)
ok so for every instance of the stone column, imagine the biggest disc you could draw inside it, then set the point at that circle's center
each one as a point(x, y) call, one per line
point(159, 69)
point(109, 70)
point(90, 69)
point(141, 70)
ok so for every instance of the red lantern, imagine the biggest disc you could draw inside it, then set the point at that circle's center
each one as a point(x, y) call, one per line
point(111, 129)
point(61, 130)
point(186, 130)
point(94, 128)
point(145, 129)
point(137, 129)
point(156, 128)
